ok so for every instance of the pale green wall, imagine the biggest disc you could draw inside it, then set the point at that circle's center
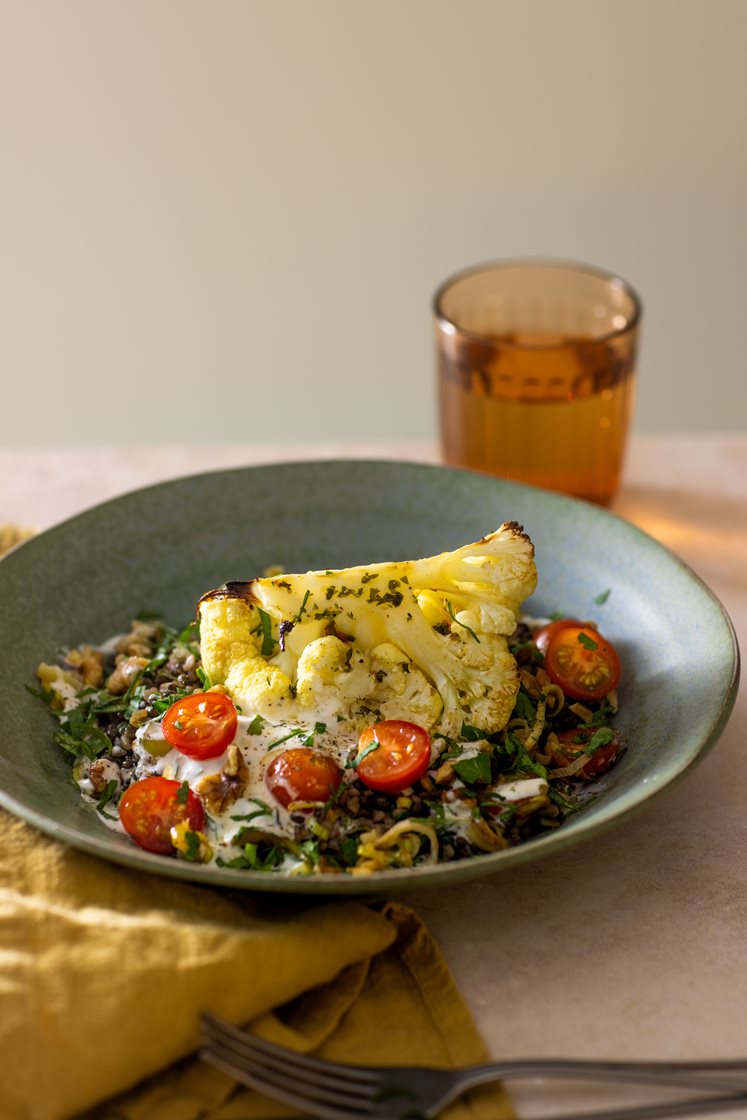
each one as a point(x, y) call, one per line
point(225, 220)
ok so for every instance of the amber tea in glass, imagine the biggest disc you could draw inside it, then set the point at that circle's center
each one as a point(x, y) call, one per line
point(536, 370)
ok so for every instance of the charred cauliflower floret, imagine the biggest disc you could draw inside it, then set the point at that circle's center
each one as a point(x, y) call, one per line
point(331, 675)
point(419, 639)
point(402, 691)
point(232, 656)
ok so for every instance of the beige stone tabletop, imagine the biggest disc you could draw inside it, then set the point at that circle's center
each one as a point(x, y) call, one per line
point(634, 944)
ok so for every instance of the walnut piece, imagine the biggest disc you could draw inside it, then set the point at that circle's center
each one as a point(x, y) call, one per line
point(219, 791)
point(140, 640)
point(104, 770)
point(88, 663)
point(122, 677)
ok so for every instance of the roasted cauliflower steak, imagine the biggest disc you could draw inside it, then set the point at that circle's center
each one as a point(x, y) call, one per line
point(422, 640)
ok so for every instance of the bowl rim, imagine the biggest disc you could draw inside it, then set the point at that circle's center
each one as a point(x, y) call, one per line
point(403, 880)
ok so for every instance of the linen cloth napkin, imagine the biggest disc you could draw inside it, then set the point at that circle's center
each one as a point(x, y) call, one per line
point(104, 972)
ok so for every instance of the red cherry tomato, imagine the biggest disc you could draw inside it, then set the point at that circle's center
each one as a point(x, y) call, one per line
point(541, 637)
point(149, 809)
point(302, 774)
point(582, 663)
point(201, 725)
point(401, 758)
point(572, 744)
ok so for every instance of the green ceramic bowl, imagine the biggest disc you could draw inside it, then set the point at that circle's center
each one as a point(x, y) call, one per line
point(160, 548)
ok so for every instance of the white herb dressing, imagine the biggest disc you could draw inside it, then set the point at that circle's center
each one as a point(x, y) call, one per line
point(456, 813)
point(521, 789)
point(328, 729)
point(259, 742)
point(258, 748)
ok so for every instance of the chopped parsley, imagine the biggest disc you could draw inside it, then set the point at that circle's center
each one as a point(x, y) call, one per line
point(393, 597)
point(192, 850)
point(473, 770)
point(107, 793)
point(284, 738)
point(524, 708)
point(520, 762)
point(302, 608)
point(79, 733)
point(599, 739)
point(349, 851)
point(258, 856)
point(319, 729)
point(470, 734)
point(203, 678)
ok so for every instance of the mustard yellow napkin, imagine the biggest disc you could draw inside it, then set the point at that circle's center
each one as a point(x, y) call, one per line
point(12, 534)
point(104, 971)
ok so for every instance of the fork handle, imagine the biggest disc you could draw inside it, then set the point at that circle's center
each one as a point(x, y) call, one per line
point(723, 1076)
point(697, 1106)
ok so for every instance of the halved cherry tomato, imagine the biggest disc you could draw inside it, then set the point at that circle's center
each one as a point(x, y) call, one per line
point(572, 744)
point(401, 758)
point(582, 663)
point(149, 809)
point(541, 637)
point(302, 774)
point(201, 725)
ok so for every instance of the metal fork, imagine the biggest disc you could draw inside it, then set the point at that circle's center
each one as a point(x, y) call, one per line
point(335, 1091)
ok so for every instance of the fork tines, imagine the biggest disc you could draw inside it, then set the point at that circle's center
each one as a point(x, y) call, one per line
point(298, 1079)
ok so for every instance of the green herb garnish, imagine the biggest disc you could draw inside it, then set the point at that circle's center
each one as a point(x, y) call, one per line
point(303, 604)
point(349, 851)
point(265, 628)
point(473, 770)
point(520, 762)
point(319, 729)
point(599, 739)
point(464, 625)
point(203, 678)
point(107, 794)
point(263, 810)
point(192, 851)
point(367, 750)
point(524, 708)
point(284, 738)
point(470, 734)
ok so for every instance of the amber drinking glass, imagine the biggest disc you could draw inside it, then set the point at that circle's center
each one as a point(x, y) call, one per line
point(536, 371)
